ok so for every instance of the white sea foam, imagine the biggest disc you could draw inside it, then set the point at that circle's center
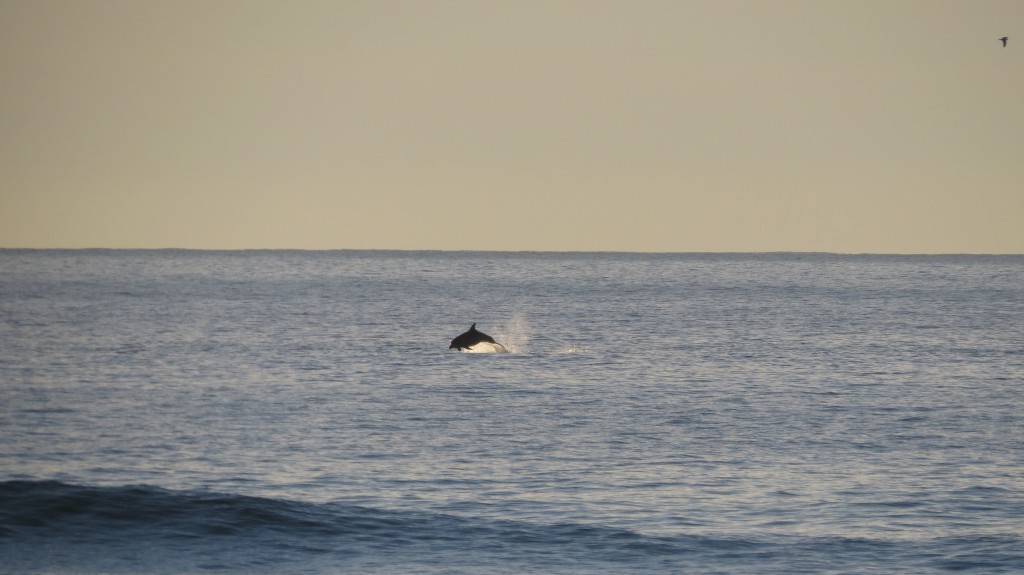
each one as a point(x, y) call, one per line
point(571, 348)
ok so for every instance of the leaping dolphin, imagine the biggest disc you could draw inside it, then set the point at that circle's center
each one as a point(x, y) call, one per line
point(1004, 39)
point(471, 340)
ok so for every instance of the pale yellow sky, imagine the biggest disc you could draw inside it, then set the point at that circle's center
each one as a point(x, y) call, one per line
point(776, 125)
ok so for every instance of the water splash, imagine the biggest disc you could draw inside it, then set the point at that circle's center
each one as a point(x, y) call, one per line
point(515, 335)
point(572, 348)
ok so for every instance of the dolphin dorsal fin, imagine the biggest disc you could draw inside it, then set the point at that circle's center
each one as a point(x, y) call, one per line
point(472, 327)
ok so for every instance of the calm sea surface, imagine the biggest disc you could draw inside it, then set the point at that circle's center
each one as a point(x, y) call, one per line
point(299, 412)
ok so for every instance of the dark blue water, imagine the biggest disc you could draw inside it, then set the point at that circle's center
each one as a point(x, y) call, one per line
point(66, 528)
point(299, 412)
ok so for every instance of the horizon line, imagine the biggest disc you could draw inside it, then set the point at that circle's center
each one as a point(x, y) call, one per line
point(521, 251)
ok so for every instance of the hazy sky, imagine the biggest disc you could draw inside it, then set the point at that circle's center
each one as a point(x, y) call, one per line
point(775, 125)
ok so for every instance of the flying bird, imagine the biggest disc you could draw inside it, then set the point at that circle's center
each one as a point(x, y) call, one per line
point(1004, 39)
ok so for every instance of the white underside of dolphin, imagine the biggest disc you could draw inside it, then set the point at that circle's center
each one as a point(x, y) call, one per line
point(485, 347)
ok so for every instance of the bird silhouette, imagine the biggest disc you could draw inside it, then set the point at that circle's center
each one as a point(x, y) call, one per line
point(1004, 39)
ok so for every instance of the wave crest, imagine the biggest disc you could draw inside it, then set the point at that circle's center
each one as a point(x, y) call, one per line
point(54, 527)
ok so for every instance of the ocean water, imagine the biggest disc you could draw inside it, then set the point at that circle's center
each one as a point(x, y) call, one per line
point(299, 412)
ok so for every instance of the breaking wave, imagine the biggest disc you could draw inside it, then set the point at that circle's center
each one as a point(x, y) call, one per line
point(64, 528)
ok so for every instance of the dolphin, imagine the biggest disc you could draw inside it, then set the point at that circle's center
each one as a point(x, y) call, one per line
point(472, 338)
point(1004, 39)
